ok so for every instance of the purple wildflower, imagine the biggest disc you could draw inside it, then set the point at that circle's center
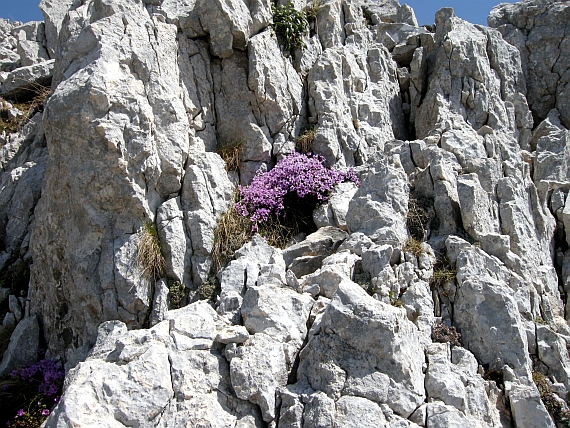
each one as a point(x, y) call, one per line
point(45, 412)
point(20, 413)
point(303, 175)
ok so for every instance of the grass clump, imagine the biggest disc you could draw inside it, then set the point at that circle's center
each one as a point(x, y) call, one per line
point(412, 245)
point(305, 140)
point(441, 333)
point(552, 404)
point(231, 153)
point(231, 233)
point(290, 25)
point(441, 277)
point(34, 104)
point(149, 256)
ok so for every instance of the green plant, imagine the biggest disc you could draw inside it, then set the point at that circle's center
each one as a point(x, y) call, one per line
point(231, 153)
point(395, 301)
point(554, 407)
point(540, 320)
point(311, 10)
point(209, 289)
point(305, 140)
point(176, 294)
point(149, 256)
point(412, 245)
point(290, 25)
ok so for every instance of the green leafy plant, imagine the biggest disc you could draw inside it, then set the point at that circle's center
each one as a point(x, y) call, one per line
point(554, 407)
point(290, 25)
point(394, 301)
point(209, 289)
point(149, 256)
point(305, 140)
point(176, 294)
point(231, 153)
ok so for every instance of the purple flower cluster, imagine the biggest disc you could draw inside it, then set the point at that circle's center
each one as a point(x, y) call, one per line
point(51, 376)
point(304, 175)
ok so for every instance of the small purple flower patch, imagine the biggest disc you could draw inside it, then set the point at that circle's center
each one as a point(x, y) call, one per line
point(302, 175)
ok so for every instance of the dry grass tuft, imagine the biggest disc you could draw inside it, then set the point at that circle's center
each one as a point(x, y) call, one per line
point(28, 108)
point(305, 140)
point(412, 245)
point(417, 218)
point(442, 273)
point(149, 257)
point(231, 153)
point(232, 232)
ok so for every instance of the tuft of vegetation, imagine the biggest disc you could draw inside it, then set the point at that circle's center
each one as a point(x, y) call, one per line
point(290, 25)
point(418, 217)
point(29, 108)
point(231, 233)
point(540, 320)
point(209, 289)
point(552, 404)
point(441, 277)
point(364, 279)
point(231, 153)
point(305, 140)
point(28, 395)
point(412, 245)
point(394, 301)
point(149, 256)
point(176, 294)
point(441, 333)
point(311, 10)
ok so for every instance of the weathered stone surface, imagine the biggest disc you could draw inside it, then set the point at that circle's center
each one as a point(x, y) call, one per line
point(321, 243)
point(539, 30)
point(22, 81)
point(257, 370)
point(379, 207)
point(354, 352)
point(23, 348)
point(355, 98)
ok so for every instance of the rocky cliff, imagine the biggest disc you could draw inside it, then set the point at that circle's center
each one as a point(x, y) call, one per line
point(458, 133)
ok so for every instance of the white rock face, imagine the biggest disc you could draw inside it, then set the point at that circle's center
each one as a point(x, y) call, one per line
point(459, 139)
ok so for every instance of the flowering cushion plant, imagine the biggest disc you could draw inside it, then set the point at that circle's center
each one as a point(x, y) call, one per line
point(297, 177)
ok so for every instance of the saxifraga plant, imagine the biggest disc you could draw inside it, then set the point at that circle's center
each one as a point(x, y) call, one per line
point(290, 25)
point(149, 257)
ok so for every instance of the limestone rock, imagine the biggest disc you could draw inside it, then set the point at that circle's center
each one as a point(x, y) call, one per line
point(539, 30)
point(22, 81)
point(257, 370)
point(379, 207)
point(23, 348)
point(345, 357)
